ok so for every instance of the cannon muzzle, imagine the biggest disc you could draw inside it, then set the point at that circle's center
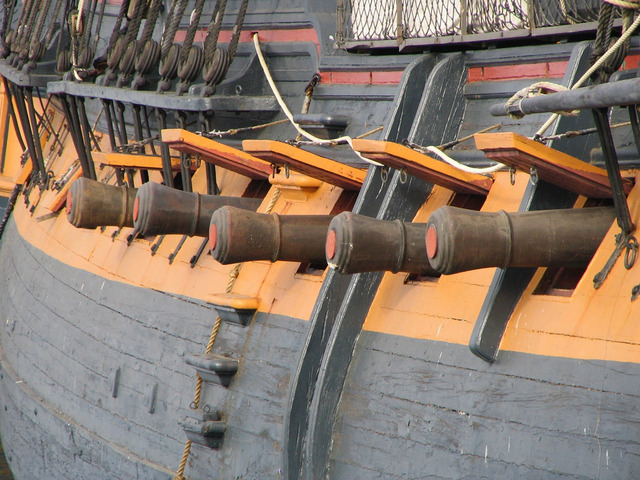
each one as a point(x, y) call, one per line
point(92, 204)
point(357, 244)
point(240, 236)
point(160, 210)
point(459, 240)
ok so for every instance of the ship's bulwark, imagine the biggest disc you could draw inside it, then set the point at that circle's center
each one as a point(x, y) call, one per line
point(67, 347)
point(410, 408)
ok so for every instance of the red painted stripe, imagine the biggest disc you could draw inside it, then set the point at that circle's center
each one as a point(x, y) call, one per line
point(361, 78)
point(391, 78)
point(514, 72)
point(280, 35)
point(631, 62)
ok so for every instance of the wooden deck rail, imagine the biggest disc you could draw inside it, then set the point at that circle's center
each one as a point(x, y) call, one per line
point(423, 166)
point(217, 153)
point(315, 166)
point(552, 165)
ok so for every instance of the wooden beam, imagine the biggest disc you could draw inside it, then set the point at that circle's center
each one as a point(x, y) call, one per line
point(552, 165)
point(130, 160)
point(217, 153)
point(61, 197)
point(423, 166)
point(322, 168)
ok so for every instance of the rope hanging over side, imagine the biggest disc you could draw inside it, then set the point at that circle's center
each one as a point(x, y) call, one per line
point(289, 115)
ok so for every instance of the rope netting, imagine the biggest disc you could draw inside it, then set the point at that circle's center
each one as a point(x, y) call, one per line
point(393, 19)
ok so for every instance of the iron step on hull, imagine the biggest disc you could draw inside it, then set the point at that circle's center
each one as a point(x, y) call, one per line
point(256, 246)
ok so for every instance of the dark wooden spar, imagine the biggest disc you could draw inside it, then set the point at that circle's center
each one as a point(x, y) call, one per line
point(459, 240)
point(240, 236)
point(161, 210)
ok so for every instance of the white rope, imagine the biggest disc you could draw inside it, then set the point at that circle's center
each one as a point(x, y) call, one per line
point(623, 38)
point(79, 19)
point(462, 166)
point(633, 4)
point(287, 112)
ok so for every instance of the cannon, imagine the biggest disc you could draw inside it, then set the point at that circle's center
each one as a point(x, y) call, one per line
point(92, 204)
point(237, 235)
point(356, 244)
point(459, 240)
point(160, 210)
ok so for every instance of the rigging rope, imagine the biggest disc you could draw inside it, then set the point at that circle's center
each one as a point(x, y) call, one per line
point(618, 44)
point(216, 67)
point(191, 56)
point(148, 50)
point(289, 115)
point(346, 139)
point(7, 18)
point(170, 51)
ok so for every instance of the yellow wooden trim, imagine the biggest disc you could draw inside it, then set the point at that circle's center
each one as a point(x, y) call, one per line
point(234, 300)
point(129, 160)
point(423, 166)
point(294, 180)
point(552, 165)
point(6, 185)
point(217, 153)
point(496, 141)
point(24, 173)
point(61, 197)
point(322, 168)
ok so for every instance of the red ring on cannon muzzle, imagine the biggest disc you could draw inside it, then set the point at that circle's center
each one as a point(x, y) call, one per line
point(432, 241)
point(330, 245)
point(136, 209)
point(69, 202)
point(213, 236)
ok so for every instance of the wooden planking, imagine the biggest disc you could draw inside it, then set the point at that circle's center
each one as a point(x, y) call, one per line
point(325, 169)
point(423, 166)
point(217, 153)
point(129, 160)
point(538, 416)
point(552, 165)
point(93, 345)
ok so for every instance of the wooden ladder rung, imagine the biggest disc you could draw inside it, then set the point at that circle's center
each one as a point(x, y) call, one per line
point(423, 166)
point(552, 165)
point(217, 153)
point(315, 166)
point(130, 160)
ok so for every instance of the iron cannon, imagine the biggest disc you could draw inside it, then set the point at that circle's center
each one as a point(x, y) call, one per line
point(356, 243)
point(458, 240)
point(160, 210)
point(92, 204)
point(238, 235)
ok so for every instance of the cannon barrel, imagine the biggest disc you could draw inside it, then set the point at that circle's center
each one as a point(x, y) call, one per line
point(240, 236)
point(459, 240)
point(357, 244)
point(160, 210)
point(92, 204)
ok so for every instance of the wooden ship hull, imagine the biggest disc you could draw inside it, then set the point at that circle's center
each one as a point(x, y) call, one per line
point(324, 300)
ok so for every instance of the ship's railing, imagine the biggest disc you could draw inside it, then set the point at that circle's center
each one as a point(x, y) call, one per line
point(406, 23)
